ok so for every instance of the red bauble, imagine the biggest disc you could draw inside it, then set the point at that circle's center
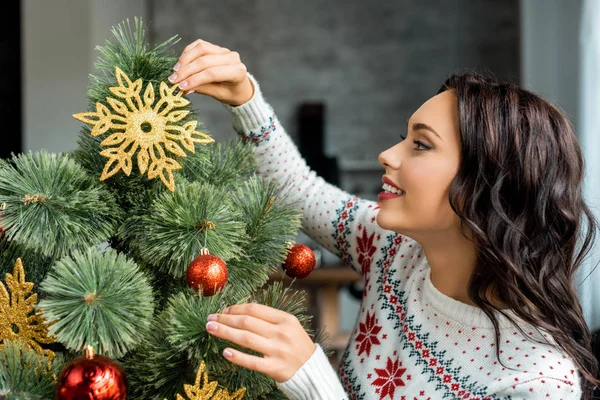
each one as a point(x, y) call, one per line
point(300, 261)
point(207, 273)
point(93, 377)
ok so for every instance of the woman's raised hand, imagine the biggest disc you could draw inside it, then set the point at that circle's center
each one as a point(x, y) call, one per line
point(214, 71)
point(278, 336)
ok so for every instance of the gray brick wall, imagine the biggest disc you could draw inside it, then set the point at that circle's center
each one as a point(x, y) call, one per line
point(371, 63)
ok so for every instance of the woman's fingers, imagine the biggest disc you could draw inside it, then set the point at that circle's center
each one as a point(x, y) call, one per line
point(266, 313)
point(248, 361)
point(240, 337)
point(275, 334)
point(218, 73)
point(246, 323)
point(214, 71)
point(198, 49)
point(198, 65)
point(192, 45)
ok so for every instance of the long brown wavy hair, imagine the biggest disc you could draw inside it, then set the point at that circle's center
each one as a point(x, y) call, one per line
point(519, 191)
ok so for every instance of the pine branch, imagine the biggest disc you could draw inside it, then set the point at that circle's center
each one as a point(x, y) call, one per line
point(187, 317)
point(26, 375)
point(52, 206)
point(157, 370)
point(100, 298)
point(36, 265)
point(258, 386)
point(129, 51)
point(173, 231)
point(225, 164)
point(187, 314)
point(271, 221)
point(246, 275)
point(132, 193)
point(186, 331)
point(286, 299)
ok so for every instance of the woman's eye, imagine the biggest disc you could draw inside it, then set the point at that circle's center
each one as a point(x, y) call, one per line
point(420, 145)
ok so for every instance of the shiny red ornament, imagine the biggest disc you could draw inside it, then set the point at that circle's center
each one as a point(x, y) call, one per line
point(207, 273)
point(300, 261)
point(92, 377)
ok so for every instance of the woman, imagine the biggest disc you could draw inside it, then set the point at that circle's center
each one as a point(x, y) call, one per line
point(468, 259)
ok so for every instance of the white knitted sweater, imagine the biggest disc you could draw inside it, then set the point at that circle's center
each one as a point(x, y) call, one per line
point(410, 341)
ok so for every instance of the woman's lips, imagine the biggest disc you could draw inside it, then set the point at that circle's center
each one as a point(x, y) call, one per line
point(388, 196)
point(390, 182)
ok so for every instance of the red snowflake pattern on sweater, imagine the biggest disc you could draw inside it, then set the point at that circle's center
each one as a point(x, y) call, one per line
point(366, 251)
point(389, 378)
point(368, 334)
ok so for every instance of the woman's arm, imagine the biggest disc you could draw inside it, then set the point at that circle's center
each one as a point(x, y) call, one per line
point(342, 223)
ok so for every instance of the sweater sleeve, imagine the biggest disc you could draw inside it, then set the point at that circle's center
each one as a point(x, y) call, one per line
point(342, 223)
point(542, 387)
point(315, 380)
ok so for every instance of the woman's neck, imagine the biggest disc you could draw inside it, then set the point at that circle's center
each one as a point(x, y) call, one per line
point(452, 259)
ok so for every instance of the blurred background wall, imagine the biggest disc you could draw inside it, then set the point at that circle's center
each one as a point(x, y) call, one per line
point(370, 64)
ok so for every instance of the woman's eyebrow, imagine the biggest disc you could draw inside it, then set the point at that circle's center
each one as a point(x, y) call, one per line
point(421, 126)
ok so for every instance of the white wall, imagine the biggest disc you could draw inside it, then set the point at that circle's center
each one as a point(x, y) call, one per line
point(551, 54)
point(550, 51)
point(59, 40)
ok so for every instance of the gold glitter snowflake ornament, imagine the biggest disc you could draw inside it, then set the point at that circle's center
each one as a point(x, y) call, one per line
point(205, 390)
point(18, 319)
point(138, 124)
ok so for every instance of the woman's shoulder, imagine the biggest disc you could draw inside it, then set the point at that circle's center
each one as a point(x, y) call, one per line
point(536, 367)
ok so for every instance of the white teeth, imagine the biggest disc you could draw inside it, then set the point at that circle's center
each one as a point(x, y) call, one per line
point(391, 189)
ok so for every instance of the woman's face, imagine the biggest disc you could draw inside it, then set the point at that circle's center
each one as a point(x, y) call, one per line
point(422, 166)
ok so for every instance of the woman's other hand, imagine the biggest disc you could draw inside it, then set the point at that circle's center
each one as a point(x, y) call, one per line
point(275, 334)
point(214, 71)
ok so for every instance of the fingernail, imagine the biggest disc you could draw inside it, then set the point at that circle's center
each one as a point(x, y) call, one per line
point(211, 326)
point(227, 353)
point(226, 311)
point(190, 92)
point(176, 66)
point(172, 77)
point(212, 317)
point(183, 85)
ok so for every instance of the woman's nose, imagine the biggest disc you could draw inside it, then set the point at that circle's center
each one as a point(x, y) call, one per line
point(390, 158)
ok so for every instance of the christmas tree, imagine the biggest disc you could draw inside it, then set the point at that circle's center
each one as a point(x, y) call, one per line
point(114, 254)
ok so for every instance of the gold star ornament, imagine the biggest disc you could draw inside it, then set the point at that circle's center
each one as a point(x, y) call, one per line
point(143, 127)
point(18, 319)
point(205, 390)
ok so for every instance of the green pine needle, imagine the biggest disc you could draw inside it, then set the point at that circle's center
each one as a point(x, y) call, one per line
point(52, 205)
point(186, 324)
point(157, 370)
point(187, 315)
point(171, 234)
point(26, 375)
point(36, 265)
point(271, 221)
point(130, 51)
point(132, 193)
point(260, 386)
point(246, 275)
point(225, 164)
point(285, 299)
point(100, 298)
